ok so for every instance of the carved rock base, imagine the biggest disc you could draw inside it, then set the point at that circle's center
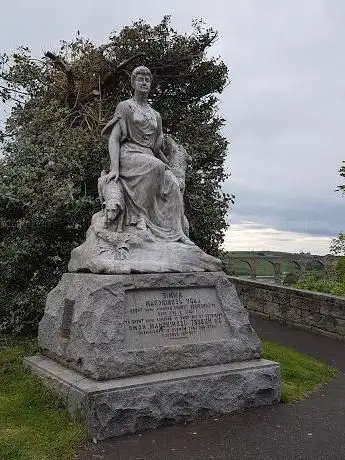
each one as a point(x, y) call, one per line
point(110, 326)
point(139, 252)
point(129, 405)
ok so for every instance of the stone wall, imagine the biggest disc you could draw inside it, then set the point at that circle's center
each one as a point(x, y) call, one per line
point(320, 313)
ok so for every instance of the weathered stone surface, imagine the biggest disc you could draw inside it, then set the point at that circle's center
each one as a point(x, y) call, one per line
point(322, 313)
point(128, 405)
point(300, 300)
point(145, 255)
point(316, 319)
point(255, 304)
point(273, 309)
point(263, 294)
point(124, 325)
point(293, 314)
point(336, 309)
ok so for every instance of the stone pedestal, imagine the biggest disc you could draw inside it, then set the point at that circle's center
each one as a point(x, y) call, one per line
point(127, 405)
point(132, 352)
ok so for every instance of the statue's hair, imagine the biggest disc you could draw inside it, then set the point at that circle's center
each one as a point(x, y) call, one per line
point(141, 70)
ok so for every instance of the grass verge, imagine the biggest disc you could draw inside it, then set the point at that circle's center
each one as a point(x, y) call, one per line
point(35, 426)
point(301, 374)
point(33, 423)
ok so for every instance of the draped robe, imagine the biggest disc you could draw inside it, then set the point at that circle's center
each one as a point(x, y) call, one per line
point(151, 191)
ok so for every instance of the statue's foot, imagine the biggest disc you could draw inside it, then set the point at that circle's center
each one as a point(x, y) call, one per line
point(185, 240)
point(141, 225)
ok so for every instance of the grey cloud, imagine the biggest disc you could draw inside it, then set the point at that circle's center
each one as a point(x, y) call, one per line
point(287, 107)
point(314, 216)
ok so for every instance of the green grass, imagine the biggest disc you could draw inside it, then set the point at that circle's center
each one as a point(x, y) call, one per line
point(35, 426)
point(33, 423)
point(301, 374)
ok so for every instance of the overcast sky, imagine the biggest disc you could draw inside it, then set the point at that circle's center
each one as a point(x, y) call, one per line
point(284, 108)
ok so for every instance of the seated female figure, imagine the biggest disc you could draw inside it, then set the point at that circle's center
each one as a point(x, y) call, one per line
point(152, 196)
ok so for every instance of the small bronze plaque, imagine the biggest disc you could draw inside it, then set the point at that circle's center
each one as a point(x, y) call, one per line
point(67, 318)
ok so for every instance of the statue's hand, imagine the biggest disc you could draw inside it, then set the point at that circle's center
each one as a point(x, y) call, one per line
point(113, 174)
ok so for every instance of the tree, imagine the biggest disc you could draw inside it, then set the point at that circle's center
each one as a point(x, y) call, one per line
point(342, 174)
point(338, 245)
point(338, 248)
point(53, 152)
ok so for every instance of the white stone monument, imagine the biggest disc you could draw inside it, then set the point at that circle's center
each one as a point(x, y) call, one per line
point(146, 329)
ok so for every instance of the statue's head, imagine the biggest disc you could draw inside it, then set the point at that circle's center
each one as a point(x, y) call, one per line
point(141, 79)
point(111, 209)
point(111, 197)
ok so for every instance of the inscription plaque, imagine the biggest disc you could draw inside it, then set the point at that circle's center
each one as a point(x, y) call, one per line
point(170, 316)
point(67, 318)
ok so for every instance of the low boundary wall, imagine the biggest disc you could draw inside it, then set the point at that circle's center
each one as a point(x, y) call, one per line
point(316, 312)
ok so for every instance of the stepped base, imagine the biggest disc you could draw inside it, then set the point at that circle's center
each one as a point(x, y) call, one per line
point(133, 404)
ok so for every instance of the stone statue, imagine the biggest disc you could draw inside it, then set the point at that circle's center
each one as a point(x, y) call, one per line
point(142, 319)
point(142, 220)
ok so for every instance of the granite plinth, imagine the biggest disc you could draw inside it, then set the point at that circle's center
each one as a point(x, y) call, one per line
point(128, 405)
point(110, 326)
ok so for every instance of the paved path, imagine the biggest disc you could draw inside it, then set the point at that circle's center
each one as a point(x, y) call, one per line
point(312, 429)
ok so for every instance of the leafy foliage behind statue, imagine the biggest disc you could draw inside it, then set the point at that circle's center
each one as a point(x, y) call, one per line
point(54, 154)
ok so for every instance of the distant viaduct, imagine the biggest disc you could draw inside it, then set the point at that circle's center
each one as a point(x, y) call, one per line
point(301, 262)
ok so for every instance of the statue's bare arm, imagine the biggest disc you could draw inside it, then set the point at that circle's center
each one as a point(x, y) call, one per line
point(114, 152)
point(157, 149)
